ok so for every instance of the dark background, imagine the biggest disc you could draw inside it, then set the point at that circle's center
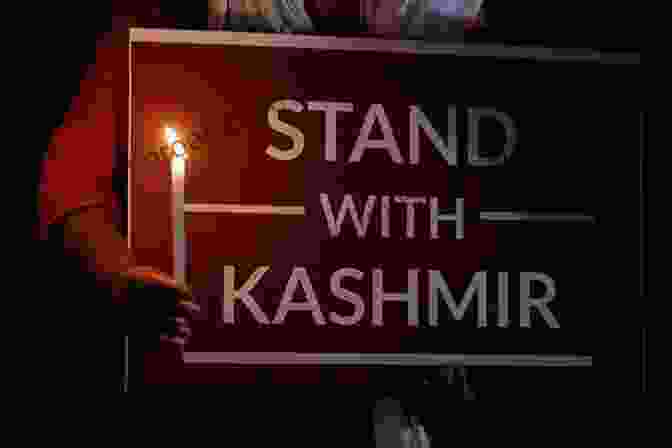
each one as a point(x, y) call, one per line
point(54, 62)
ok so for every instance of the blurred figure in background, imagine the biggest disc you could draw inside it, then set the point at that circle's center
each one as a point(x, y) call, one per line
point(440, 19)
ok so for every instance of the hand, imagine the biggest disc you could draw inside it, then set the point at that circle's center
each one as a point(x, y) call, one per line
point(159, 307)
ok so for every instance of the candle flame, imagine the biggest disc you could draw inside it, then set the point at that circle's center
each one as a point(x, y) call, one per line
point(171, 136)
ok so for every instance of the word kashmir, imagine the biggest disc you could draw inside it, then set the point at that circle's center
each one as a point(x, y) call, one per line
point(492, 305)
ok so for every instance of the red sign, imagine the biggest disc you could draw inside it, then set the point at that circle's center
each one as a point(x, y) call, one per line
point(367, 197)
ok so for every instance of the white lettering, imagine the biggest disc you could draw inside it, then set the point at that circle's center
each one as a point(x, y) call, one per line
point(436, 217)
point(438, 285)
point(410, 202)
point(299, 275)
point(418, 119)
point(330, 109)
point(376, 113)
point(526, 301)
point(298, 139)
point(380, 296)
point(231, 294)
point(347, 206)
point(338, 291)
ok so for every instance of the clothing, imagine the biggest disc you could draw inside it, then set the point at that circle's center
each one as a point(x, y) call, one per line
point(80, 169)
point(81, 162)
point(381, 17)
point(269, 15)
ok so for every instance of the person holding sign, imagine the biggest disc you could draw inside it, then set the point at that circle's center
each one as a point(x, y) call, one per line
point(80, 203)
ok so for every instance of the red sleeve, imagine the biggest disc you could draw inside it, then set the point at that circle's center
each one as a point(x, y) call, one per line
point(77, 170)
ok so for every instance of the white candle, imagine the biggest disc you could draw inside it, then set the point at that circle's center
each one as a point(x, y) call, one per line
point(178, 170)
point(178, 166)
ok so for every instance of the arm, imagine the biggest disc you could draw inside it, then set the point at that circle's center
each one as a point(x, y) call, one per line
point(77, 195)
point(91, 235)
point(76, 191)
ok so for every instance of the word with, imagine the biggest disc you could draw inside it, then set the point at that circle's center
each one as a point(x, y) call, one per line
point(361, 221)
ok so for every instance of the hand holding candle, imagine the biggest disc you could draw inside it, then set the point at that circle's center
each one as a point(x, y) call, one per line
point(164, 303)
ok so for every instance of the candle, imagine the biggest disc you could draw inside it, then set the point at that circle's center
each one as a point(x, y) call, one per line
point(178, 169)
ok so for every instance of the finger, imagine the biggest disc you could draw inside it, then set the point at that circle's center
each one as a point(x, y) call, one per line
point(183, 331)
point(173, 340)
point(175, 326)
point(180, 332)
point(189, 307)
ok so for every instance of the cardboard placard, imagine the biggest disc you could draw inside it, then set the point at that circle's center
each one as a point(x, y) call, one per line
point(387, 201)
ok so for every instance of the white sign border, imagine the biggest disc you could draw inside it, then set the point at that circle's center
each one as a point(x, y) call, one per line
point(282, 40)
point(192, 37)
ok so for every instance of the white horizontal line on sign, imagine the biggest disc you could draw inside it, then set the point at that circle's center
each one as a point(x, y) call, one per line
point(396, 359)
point(245, 209)
point(538, 217)
point(197, 37)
